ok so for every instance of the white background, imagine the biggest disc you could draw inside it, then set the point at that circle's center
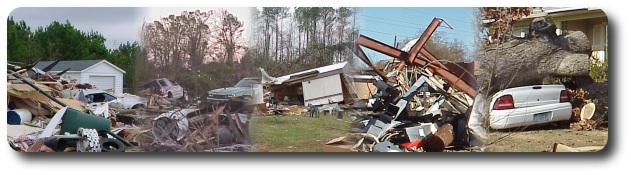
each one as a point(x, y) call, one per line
point(614, 158)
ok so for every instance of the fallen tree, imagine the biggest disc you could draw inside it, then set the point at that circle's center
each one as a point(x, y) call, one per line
point(528, 61)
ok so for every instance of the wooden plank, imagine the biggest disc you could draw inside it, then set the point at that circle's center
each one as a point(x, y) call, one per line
point(37, 146)
point(564, 148)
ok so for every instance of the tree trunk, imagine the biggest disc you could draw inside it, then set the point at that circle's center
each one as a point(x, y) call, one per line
point(522, 62)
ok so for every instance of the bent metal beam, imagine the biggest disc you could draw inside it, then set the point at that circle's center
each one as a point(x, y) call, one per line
point(433, 64)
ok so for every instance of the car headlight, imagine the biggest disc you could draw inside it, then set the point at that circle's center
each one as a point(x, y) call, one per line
point(231, 96)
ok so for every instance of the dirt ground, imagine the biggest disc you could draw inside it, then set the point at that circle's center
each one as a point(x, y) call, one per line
point(542, 140)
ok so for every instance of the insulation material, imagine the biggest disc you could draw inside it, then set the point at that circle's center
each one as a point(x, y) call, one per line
point(324, 90)
point(364, 89)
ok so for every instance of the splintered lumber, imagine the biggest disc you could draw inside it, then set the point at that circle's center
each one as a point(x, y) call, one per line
point(233, 127)
point(564, 148)
point(36, 146)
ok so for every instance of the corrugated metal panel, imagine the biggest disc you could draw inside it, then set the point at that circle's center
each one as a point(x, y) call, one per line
point(323, 90)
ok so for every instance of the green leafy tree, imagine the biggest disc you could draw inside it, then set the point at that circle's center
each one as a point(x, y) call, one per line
point(64, 41)
point(127, 57)
point(21, 46)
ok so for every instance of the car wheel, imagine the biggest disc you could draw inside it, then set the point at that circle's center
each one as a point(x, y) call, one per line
point(111, 145)
point(138, 106)
point(170, 95)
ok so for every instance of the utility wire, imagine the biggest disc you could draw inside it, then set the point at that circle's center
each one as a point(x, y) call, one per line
point(416, 24)
point(409, 37)
point(393, 24)
point(389, 33)
point(400, 25)
point(454, 19)
point(392, 20)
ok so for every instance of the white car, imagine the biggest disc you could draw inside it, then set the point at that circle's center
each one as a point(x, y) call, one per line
point(125, 101)
point(529, 105)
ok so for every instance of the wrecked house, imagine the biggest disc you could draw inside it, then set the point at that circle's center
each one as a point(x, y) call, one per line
point(396, 124)
point(100, 73)
point(43, 117)
point(45, 121)
point(363, 80)
point(319, 86)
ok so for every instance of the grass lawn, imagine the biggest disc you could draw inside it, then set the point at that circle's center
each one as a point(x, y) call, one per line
point(304, 134)
point(296, 133)
point(543, 140)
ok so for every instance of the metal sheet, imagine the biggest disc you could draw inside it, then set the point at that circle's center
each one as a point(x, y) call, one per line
point(324, 90)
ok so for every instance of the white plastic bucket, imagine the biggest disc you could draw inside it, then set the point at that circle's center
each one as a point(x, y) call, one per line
point(25, 115)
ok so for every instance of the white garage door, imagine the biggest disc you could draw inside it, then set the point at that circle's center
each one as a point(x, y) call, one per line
point(103, 82)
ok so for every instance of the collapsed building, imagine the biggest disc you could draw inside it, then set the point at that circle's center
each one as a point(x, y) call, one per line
point(318, 86)
point(397, 123)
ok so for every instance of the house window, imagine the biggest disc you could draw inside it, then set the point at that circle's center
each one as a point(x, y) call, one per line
point(599, 41)
point(520, 32)
point(598, 38)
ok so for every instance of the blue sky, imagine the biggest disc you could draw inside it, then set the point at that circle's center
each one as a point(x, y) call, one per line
point(383, 24)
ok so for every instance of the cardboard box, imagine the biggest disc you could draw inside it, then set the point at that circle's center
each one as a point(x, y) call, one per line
point(339, 144)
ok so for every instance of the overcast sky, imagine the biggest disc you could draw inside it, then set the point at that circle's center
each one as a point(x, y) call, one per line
point(117, 24)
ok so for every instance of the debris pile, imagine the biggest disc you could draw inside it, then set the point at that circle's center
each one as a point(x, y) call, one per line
point(589, 107)
point(421, 105)
point(42, 119)
point(210, 129)
point(53, 113)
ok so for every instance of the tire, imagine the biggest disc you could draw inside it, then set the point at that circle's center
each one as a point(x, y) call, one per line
point(170, 95)
point(138, 106)
point(111, 145)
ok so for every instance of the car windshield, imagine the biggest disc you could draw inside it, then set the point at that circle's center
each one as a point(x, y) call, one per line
point(100, 97)
point(167, 82)
point(245, 83)
point(162, 83)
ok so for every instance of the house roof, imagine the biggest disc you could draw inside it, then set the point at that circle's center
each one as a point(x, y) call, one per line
point(320, 71)
point(557, 10)
point(537, 12)
point(74, 65)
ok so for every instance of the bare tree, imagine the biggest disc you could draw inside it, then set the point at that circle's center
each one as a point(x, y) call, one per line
point(500, 20)
point(228, 36)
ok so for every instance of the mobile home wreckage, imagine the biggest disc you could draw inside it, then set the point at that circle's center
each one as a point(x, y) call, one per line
point(404, 120)
point(319, 86)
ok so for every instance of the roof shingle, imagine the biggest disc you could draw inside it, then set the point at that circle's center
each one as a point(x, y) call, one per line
point(74, 65)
